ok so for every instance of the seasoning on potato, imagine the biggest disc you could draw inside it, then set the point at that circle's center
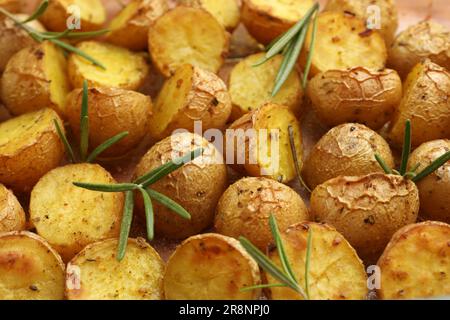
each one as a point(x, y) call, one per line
point(95, 274)
point(210, 267)
point(416, 262)
point(245, 207)
point(30, 269)
point(12, 216)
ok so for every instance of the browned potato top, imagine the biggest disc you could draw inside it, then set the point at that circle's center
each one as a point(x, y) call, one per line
point(12, 216)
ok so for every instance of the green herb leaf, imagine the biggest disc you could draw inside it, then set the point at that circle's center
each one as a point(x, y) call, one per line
point(118, 187)
point(66, 143)
point(262, 286)
point(77, 51)
point(106, 145)
point(149, 214)
point(169, 203)
point(38, 12)
point(436, 164)
point(126, 225)
point(308, 261)
point(294, 156)
point(84, 123)
point(406, 148)
point(383, 164)
point(56, 35)
point(310, 53)
point(70, 34)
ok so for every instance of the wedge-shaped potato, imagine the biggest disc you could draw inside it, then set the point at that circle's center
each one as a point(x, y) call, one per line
point(416, 262)
point(35, 77)
point(427, 39)
point(355, 95)
point(335, 272)
point(190, 95)
point(426, 102)
point(346, 150)
point(29, 148)
point(11, 5)
point(95, 273)
point(124, 69)
point(267, 19)
point(111, 111)
point(251, 87)
point(226, 12)
point(130, 27)
point(30, 269)
point(69, 217)
point(84, 15)
point(187, 35)
point(342, 42)
point(258, 143)
point(12, 216)
point(211, 267)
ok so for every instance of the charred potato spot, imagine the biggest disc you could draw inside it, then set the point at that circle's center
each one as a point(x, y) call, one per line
point(12, 216)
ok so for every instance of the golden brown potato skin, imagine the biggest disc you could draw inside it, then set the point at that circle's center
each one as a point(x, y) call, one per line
point(12, 216)
point(111, 111)
point(426, 102)
point(426, 39)
point(434, 190)
point(196, 186)
point(367, 210)
point(416, 262)
point(30, 269)
point(245, 207)
point(355, 95)
point(11, 5)
point(346, 150)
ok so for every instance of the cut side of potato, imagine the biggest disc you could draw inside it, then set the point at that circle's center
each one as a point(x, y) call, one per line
point(335, 271)
point(95, 273)
point(226, 12)
point(70, 217)
point(187, 35)
point(210, 267)
point(416, 263)
point(12, 216)
point(29, 268)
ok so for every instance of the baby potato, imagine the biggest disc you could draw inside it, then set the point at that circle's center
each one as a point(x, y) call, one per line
point(426, 102)
point(191, 94)
point(251, 87)
point(11, 5)
point(12, 216)
point(211, 267)
point(434, 190)
point(196, 186)
point(346, 150)
point(29, 148)
point(267, 19)
point(69, 217)
point(245, 207)
point(124, 69)
point(95, 273)
point(35, 77)
point(187, 35)
point(30, 269)
point(63, 14)
point(343, 41)
point(367, 210)
point(226, 12)
point(111, 111)
point(130, 27)
point(258, 143)
point(368, 10)
point(335, 273)
point(355, 95)
point(416, 262)
point(427, 39)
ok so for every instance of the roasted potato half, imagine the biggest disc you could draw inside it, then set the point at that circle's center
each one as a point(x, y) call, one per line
point(355, 95)
point(191, 94)
point(245, 207)
point(346, 150)
point(367, 210)
point(130, 27)
point(111, 111)
point(30, 269)
point(343, 42)
point(267, 19)
point(69, 217)
point(226, 12)
point(95, 273)
point(83, 15)
point(124, 69)
point(427, 39)
point(196, 186)
point(29, 148)
point(426, 102)
point(210, 267)
point(258, 143)
point(251, 87)
point(34, 78)
point(11, 5)
point(187, 35)
point(335, 273)
point(12, 216)
point(416, 262)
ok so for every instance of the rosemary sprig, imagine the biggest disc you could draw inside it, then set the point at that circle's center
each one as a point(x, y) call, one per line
point(38, 12)
point(294, 155)
point(125, 226)
point(406, 148)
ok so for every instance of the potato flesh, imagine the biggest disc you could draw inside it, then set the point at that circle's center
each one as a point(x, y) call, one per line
point(226, 12)
point(90, 10)
point(290, 10)
point(122, 18)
